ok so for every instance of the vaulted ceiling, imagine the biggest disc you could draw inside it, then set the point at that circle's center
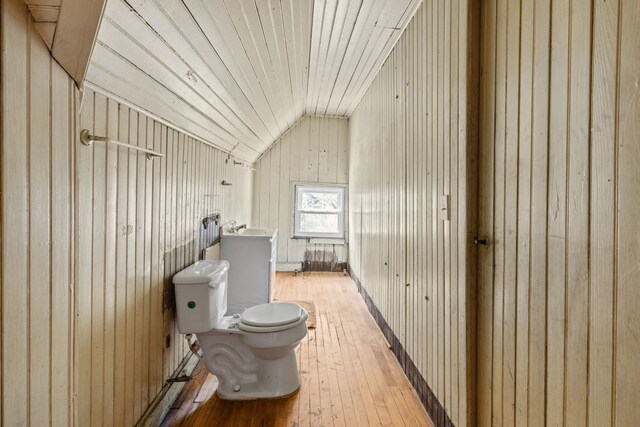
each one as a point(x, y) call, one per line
point(45, 15)
point(239, 73)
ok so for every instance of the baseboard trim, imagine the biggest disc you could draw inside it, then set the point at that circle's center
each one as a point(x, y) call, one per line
point(433, 407)
point(311, 266)
point(161, 405)
point(288, 266)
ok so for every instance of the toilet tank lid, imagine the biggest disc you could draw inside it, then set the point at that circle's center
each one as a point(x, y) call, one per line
point(202, 272)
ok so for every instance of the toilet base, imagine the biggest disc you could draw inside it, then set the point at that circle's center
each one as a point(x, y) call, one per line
point(258, 395)
point(249, 373)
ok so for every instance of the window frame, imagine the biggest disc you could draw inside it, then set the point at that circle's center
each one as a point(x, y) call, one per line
point(299, 189)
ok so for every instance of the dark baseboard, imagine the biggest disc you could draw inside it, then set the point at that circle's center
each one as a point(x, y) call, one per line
point(433, 407)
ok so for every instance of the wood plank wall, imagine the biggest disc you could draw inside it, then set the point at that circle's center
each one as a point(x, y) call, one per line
point(560, 196)
point(137, 225)
point(90, 239)
point(410, 143)
point(36, 262)
point(314, 150)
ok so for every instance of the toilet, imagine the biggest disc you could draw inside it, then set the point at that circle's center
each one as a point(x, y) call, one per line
point(252, 353)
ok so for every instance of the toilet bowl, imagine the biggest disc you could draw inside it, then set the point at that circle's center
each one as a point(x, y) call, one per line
point(253, 361)
point(252, 353)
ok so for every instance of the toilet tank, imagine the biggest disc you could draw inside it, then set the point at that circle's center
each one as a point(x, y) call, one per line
point(201, 295)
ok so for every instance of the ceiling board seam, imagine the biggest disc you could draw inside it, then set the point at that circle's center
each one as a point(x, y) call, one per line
point(248, 86)
point(376, 70)
point(264, 83)
point(326, 56)
point(314, 57)
point(257, 47)
point(108, 72)
point(363, 32)
point(118, 99)
point(343, 54)
point(353, 87)
point(335, 82)
point(286, 50)
point(266, 97)
point(159, 83)
point(162, 64)
point(338, 56)
point(278, 56)
point(306, 52)
point(368, 50)
point(326, 116)
point(168, 45)
point(293, 77)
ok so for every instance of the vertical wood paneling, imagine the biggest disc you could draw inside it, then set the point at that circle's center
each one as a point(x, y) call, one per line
point(627, 340)
point(15, 33)
point(86, 235)
point(38, 129)
point(110, 263)
point(39, 173)
point(486, 212)
point(314, 150)
point(63, 123)
point(559, 132)
point(83, 235)
point(523, 254)
point(603, 207)
point(409, 145)
point(538, 293)
point(98, 272)
point(140, 229)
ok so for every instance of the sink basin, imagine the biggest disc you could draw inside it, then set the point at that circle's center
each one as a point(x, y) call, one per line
point(255, 232)
point(250, 232)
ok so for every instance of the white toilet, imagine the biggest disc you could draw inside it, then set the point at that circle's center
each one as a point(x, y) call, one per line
point(251, 353)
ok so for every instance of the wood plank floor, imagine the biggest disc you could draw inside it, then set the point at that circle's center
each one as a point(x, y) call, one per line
point(349, 375)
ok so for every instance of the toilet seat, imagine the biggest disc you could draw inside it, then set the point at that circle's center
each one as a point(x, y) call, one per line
point(271, 314)
point(272, 317)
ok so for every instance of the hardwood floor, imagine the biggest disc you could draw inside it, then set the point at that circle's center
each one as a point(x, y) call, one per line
point(349, 376)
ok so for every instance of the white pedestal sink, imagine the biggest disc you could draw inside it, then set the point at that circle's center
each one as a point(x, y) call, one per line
point(251, 253)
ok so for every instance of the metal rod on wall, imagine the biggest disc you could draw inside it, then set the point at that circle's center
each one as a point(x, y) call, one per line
point(87, 139)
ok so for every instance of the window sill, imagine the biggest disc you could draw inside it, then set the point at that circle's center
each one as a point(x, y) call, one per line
point(323, 240)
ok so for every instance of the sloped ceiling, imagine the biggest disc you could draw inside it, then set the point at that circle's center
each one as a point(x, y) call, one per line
point(45, 15)
point(69, 30)
point(239, 73)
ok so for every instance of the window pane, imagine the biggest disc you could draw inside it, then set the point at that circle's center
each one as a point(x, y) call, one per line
point(319, 223)
point(319, 202)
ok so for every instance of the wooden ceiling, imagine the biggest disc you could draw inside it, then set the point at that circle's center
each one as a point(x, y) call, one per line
point(45, 15)
point(239, 73)
point(69, 30)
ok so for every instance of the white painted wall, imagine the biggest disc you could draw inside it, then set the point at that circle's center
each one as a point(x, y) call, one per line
point(559, 281)
point(314, 150)
point(90, 238)
point(38, 119)
point(409, 145)
point(137, 224)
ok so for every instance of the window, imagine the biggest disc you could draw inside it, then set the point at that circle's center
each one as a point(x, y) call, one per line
point(319, 211)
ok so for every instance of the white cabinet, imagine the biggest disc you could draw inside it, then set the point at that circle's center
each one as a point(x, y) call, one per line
point(252, 265)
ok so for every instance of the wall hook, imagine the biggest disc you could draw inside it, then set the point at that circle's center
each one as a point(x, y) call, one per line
point(478, 241)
